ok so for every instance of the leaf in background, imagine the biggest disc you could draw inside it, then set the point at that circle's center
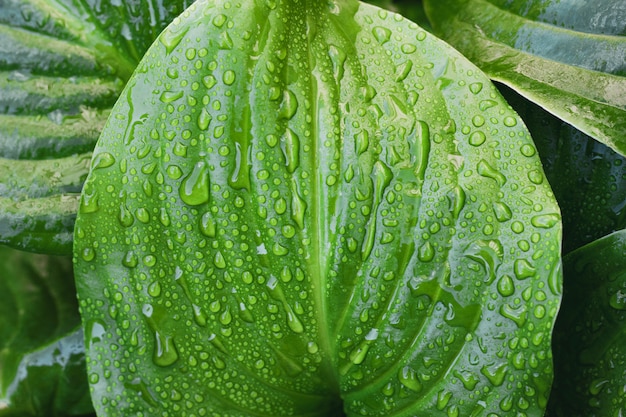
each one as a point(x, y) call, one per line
point(587, 177)
point(63, 64)
point(311, 209)
point(42, 360)
point(589, 335)
point(566, 56)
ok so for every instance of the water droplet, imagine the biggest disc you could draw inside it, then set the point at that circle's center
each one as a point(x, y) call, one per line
point(382, 34)
point(408, 379)
point(510, 121)
point(194, 189)
point(426, 252)
point(382, 177)
point(207, 224)
point(219, 261)
point(523, 269)
point(358, 354)
point(219, 20)
point(477, 138)
point(495, 373)
point(89, 199)
point(229, 77)
point(467, 378)
point(361, 141)
point(488, 171)
point(506, 286)
point(476, 88)
point(204, 119)
point(502, 211)
point(88, 254)
point(478, 120)
point(102, 160)
point(170, 96)
point(516, 314)
point(130, 259)
point(408, 48)
point(290, 146)
point(488, 254)
point(289, 106)
point(545, 221)
point(171, 37)
point(443, 398)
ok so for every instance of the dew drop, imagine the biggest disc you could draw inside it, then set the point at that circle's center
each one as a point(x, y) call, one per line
point(219, 261)
point(506, 286)
point(382, 34)
point(510, 121)
point(289, 106)
point(523, 269)
point(477, 138)
point(102, 160)
point(194, 189)
point(204, 119)
point(545, 221)
point(290, 146)
point(229, 77)
point(88, 254)
point(207, 224)
point(488, 171)
point(476, 88)
point(408, 379)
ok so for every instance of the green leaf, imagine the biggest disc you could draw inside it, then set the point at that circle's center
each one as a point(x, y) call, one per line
point(568, 58)
point(315, 209)
point(588, 178)
point(589, 334)
point(63, 65)
point(42, 360)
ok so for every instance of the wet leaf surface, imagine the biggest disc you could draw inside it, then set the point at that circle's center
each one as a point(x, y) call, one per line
point(312, 209)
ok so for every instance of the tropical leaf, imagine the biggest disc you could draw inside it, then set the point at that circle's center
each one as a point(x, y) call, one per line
point(589, 335)
point(63, 64)
point(588, 178)
point(310, 208)
point(566, 56)
point(42, 360)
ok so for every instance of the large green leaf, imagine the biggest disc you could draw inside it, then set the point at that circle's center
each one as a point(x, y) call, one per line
point(566, 56)
point(63, 64)
point(311, 208)
point(589, 335)
point(42, 361)
point(588, 178)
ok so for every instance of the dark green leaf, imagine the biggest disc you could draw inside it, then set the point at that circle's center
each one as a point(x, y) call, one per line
point(588, 178)
point(42, 360)
point(315, 208)
point(63, 65)
point(589, 335)
point(568, 57)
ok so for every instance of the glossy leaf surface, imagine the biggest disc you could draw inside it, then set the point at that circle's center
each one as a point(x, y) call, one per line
point(589, 335)
point(566, 56)
point(42, 361)
point(63, 64)
point(302, 208)
point(588, 178)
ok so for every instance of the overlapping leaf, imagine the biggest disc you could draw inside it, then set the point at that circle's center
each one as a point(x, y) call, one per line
point(63, 64)
point(566, 56)
point(590, 332)
point(311, 208)
point(588, 178)
point(42, 361)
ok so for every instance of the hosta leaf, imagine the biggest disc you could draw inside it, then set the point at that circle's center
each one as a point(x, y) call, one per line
point(588, 178)
point(42, 361)
point(315, 208)
point(566, 56)
point(590, 334)
point(63, 64)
